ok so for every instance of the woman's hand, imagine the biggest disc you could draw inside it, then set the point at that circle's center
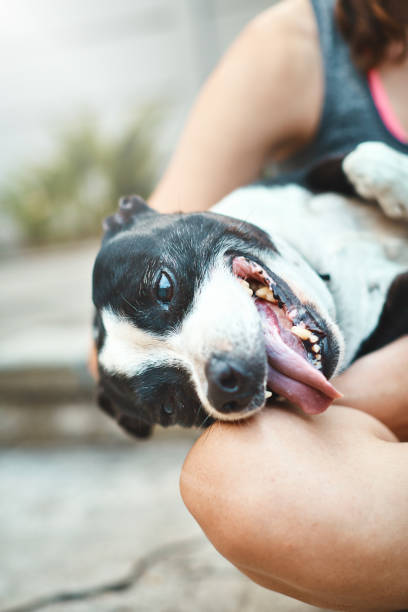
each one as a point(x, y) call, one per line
point(315, 508)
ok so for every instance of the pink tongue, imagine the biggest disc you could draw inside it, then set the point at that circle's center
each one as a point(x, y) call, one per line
point(289, 372)
point(310, 400)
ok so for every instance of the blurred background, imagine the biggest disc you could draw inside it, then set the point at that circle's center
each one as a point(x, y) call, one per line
point(94, 94)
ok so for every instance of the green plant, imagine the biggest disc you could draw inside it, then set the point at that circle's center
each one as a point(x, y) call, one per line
point(67, 198)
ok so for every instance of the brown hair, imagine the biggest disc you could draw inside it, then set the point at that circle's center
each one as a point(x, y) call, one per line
point(369, 26)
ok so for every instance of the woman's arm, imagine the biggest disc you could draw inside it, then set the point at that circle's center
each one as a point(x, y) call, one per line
point(262, 102)
point(378, 385)
point(315, 508)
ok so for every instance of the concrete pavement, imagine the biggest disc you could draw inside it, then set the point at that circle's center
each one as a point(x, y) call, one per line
point(45, 315)
point(95, 529)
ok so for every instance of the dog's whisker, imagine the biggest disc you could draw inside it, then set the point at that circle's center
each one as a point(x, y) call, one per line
point(198, 412)
point(129, 303)
point(209, 430)
point(205, 420)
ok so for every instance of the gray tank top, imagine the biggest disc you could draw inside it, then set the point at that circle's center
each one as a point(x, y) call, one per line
point(349, 115)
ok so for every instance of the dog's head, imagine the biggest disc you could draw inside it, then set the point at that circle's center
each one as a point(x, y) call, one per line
point(200, 316)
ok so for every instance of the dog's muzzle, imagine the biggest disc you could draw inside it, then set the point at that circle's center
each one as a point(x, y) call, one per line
point(296, 347)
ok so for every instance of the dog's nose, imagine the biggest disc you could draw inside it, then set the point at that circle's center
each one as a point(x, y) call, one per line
point(230, 388)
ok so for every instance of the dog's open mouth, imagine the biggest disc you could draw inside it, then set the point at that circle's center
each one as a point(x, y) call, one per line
point(293, 344)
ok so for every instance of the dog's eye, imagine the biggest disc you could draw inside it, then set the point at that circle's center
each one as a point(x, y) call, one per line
point(164, 288)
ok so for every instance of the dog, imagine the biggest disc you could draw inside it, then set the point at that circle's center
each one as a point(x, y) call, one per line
point(205, 316)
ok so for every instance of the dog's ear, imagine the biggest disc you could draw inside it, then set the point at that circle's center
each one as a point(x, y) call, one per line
point(132, 425)
point(328, 176)
point(130, 207)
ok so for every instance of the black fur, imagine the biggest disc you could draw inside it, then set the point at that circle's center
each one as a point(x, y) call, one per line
point(160, 396)
point(393, 321)
point(129, 207)
point(328, 176)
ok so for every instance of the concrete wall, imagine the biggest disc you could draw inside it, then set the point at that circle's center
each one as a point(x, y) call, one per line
point(58, 58)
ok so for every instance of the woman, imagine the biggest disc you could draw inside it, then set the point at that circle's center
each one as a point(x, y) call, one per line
point(287, 90)
point(314, 508)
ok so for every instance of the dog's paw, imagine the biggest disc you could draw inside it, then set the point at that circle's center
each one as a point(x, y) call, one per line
point(379, 173)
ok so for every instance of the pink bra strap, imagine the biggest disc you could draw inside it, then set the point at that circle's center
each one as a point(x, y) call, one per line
point(384, 107)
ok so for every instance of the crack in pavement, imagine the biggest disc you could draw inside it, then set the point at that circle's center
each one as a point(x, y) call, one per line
point(121, 584)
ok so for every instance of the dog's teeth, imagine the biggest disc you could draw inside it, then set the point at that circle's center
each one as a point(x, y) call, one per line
point(246, 286)
point(301, 332)
point(313, 338)
point(316, 348)
point(244, 283)
point(266, 294)
point(261, 292)
point(268, 394)
point(318, 356)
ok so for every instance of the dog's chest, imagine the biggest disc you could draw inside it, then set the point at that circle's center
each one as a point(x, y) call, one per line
point(350, 242)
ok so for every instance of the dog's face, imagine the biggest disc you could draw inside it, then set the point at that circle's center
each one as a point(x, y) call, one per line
point(199, 316)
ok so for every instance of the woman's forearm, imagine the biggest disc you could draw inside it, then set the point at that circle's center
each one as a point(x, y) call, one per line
point(315, 508)
point(378, 384)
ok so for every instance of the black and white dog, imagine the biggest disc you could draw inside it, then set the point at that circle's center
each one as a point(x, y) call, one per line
point(202, 316)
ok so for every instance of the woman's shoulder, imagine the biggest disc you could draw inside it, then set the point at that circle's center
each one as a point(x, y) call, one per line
point(287, 32)
point(296, 16)
point(284, 43)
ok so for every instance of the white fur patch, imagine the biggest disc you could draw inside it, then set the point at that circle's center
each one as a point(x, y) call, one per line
point(129, 350)
point(380, 173)
point(223, 318)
